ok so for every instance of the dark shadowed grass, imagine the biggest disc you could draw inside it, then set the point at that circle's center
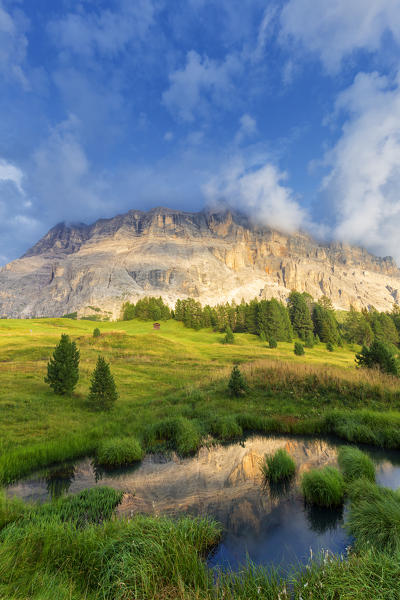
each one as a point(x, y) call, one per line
point(116, 452)
point(355, 464)
point(323, 487)
point(175, 433)
point(278, 466)
point(224, 429)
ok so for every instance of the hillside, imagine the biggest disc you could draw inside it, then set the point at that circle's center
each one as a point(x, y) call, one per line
point(210, 256)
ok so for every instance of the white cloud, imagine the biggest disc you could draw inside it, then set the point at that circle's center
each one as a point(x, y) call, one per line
point(258, 191)
point(200, 83)
point(104, 31)
point(13, 45)
point(333, 29)
point(9, 172)
point(247, 128)
point(168, 136)
point(364, 181)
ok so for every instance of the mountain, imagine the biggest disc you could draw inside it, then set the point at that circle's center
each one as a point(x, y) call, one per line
point(210, 256)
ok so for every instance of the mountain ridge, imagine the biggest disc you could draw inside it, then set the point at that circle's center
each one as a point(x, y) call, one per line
point(213, 256)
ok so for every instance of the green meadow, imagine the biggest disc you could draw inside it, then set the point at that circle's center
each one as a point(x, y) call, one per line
point(176, 372)
point(173, 394)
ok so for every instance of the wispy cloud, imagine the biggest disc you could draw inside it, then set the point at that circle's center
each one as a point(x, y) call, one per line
point(333, 30)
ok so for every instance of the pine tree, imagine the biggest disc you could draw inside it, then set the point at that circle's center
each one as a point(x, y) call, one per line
point(96, 332)
point(309, 341)
point(229, 337)
point(298, 349)
point(300, 314)
point(63, 367)
point(103, 392)
point(237, 385)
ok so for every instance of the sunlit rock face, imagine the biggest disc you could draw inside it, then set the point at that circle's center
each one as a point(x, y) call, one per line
point(212, 257)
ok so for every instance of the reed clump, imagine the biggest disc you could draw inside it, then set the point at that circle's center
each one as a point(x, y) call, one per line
point(355, 464)
point(278, 467)
point(323, 487)
point(116, 452)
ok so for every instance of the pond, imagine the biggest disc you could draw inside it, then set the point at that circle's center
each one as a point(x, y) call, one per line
point(269, 526)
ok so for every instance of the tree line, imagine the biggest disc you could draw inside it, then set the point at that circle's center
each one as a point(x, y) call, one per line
point(300, 317)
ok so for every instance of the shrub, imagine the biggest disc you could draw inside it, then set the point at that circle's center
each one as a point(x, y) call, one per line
point(229, 337)
point(298, 349)
point(329, 347)
point(323, 487)
point(96, 332)
point(103, 392)
point(116, 452)
point(225, 428)
point(263, 337)
point(237, 384)
point(378, 355)
point(374, 517)
point(273, 343)
point(355, 464)
point(279, 466)
point(63, 367)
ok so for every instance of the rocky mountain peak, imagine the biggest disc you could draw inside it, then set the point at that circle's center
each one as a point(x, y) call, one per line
point(212, 255)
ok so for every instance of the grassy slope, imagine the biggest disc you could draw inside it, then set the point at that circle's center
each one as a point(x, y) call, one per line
point(147, 366)
point(167, 373)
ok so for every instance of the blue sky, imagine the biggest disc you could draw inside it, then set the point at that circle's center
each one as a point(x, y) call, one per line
point(288, 110)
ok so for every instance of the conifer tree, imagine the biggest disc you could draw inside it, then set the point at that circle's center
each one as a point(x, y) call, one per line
point(237, 385)
point(103, 392)
point(229, 337)
point(63, 367)
point(300, 314)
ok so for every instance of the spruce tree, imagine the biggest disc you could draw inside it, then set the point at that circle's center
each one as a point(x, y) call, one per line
point(237, 385)
point(300, 314)
point(229, 337)
point(63, 367)
point(103, 392)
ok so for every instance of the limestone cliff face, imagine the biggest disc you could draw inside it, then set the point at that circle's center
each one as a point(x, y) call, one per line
point(212, 257)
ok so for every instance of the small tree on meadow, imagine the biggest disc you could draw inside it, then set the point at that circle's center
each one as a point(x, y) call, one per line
point(63, 367)
point(298, 349)
point(273, 343)
point(96, 332)
point(237, 385)
point(229, 337)
point(329, 347)
point(103, 392)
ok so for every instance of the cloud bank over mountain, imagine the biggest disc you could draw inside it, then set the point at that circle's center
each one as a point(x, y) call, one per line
point(286, 109)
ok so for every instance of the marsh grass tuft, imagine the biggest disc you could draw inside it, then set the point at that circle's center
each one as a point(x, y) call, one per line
point(323, 487)
point(374, 516)
point(279, 466)
point(116, 452)
point(355, 464)
point(175, 433)
point(225, 428)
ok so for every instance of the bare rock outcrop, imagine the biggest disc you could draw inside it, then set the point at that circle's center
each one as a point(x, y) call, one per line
point(210, 256)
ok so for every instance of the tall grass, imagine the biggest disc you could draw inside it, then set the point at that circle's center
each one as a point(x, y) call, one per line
point(175, 433)
point(224, 428)
point(323, 487)
point(117, 452)
point(355, 464)
point(374, 517)
point(279, 466)
point(144, 558)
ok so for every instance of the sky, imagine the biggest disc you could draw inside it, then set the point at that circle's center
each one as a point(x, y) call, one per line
point(287, 110)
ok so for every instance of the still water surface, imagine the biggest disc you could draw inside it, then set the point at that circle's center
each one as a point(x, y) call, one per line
point(270, 526)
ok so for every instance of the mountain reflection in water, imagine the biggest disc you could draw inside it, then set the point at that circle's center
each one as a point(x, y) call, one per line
point(268, 525)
